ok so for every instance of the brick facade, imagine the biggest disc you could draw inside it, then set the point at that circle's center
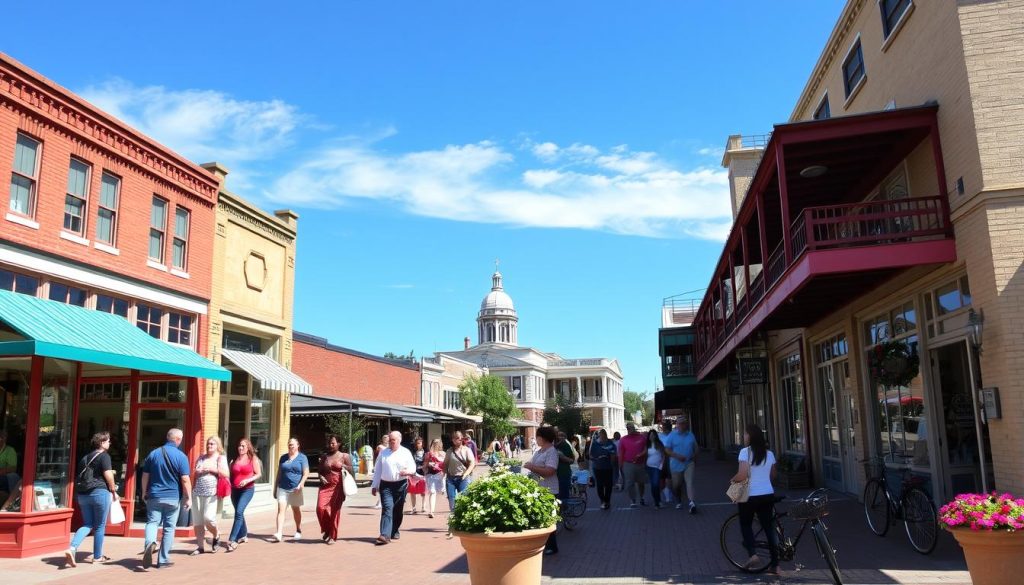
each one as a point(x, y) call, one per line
point(343, 373)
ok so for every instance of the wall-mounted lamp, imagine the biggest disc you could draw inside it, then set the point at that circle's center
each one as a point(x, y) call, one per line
point(975, 328)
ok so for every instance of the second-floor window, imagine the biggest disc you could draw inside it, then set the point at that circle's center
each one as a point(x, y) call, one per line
point(157, 227)
point(179, 249)
point(68, 294)
point(106, 215)
point(148, 319)
point(25, 175)
point(76, 197)
point(892, 13)
point(823, 112)
point(19, 283)
point(853, 69)
point(109, 304)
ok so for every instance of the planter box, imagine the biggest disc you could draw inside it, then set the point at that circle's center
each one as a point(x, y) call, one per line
point(505, 558)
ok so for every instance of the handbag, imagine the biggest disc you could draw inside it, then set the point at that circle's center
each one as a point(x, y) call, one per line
point(223, 484)
point(116, 512)
point(84, 481)
point(348, 483)
point(740, 492)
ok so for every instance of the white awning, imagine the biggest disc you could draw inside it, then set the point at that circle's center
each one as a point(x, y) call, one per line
point(271, 375)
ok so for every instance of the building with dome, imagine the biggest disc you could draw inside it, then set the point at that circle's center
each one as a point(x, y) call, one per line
point(532, 376)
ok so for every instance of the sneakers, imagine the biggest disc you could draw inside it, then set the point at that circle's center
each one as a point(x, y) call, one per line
point(376, 506)
point(147, 556)
point(604, 506)
point(277, 537)
point(693, 508)
point(297, 536)
point(753, 561)
point(632, 504)
point(679, 506)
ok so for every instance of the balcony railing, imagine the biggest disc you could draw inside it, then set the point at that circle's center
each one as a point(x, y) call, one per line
point(574, 363)
point(870, 223)
point(680, 369)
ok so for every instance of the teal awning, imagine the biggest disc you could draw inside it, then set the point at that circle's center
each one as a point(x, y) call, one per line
point(57, 330)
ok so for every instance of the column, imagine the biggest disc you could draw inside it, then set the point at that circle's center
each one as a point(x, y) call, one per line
point(579, 390)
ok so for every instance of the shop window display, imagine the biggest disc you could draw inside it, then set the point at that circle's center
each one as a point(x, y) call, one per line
point(53, 451)
point(15, 374)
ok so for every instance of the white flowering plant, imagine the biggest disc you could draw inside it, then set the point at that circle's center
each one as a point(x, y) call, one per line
point(504, 502)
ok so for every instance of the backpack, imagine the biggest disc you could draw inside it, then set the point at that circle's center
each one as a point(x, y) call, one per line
point(86, 479)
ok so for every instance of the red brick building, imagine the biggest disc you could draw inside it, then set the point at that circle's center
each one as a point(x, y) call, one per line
point(96, 215)
point(339, 372)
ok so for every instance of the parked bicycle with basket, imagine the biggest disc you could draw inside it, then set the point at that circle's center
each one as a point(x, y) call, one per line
point(911, 504)
point(576, 504)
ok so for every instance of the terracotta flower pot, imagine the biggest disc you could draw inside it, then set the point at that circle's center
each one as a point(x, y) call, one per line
point(992, 555)
point(505, 558)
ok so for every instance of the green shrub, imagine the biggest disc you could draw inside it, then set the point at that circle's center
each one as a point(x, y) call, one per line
point(504, 502)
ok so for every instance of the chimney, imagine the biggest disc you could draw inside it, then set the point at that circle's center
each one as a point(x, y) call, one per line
point(741, 157)
point(288, 216)
point(219, 172)
point(465, 343)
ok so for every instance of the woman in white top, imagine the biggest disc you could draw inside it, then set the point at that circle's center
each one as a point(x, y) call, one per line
point(655, 460)
point(210, 467)
point(545, 464)
point(757, 463)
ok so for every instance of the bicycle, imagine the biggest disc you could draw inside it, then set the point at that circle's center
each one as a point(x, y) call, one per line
point(576, 504)
point(810, 510)
point(913, 505)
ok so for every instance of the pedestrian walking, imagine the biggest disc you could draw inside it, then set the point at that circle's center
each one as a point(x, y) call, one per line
point(245, 470)
point(472, 445)
point(209, 468)
point(616, 471)
point(391, 480)
point(331, 495)
point(545, 464)
point(632, 464)
point(666, 472)
point(366, 459)
point(655, 460)
point(681, 449)
point(95, 492)
point(433, 471)
point(418, 454)
point(566, 459)
point(533, 445)
point(166, 489)
point(757, 464)
point(376, 454)
point(602, 459)
point(292, 471)
point(458, 468)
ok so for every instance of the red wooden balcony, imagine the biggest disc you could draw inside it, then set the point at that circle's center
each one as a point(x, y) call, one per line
point(826, 255)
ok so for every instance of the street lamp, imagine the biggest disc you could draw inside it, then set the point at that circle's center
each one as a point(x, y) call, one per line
point(975, 328)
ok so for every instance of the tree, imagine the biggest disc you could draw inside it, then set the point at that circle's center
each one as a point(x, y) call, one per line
point(348, 429)
point(488, 397)
point(399, 357)
point(637, 402)
point(567, 415)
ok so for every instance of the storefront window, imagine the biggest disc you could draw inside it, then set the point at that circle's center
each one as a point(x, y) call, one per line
point(261, 411)
point(105, 406)
point(792, 395)
point(163, 391)
point(54, 444)
point(15, 374)
point(832, 372)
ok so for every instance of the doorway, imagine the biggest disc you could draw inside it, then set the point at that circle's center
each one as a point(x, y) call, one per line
point(965, 450)
point(838, 414)
point(152, 434)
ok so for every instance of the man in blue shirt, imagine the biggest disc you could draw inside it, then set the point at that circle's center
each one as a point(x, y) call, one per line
point(165, 486)
point(681, 448)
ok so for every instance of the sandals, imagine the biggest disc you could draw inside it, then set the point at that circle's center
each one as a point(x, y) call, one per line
point(69, 558)
point(232, 546)
point(196, 552)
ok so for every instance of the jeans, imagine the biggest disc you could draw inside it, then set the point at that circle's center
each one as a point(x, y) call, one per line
point(654, 476)
point(392, 502)
point(761, 506)
point(95, 507)
point(603, 479)
point(455, 486)
point(563, 488)
point(240, 499)
point(162, 514)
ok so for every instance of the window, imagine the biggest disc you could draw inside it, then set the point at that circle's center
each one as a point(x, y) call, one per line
point(67, 294)
point(180, 246)
point(452, 400)
point(106, 215)
point(148, 319)
point(823, 112)
point(18, 283)
point(832, 375)
point(114, 305)
point(792, 395)
point(157, 227)
point(169, 391)
point(517, 387)
point(25, 175)
point(179, 329)
point(76, 197)
point(853, 69)
point(892, 13)
point(946, 307)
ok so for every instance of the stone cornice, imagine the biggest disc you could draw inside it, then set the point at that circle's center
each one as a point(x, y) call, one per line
point(832, 48)
point(40, 98)
point(246, 215)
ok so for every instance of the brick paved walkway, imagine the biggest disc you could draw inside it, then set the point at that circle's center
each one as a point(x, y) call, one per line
point(616, 547)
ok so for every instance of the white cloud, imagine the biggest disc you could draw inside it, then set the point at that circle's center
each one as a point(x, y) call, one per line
point(715, 152)
point(620, 190)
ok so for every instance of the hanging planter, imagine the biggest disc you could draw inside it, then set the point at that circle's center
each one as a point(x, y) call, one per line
point(894, 363)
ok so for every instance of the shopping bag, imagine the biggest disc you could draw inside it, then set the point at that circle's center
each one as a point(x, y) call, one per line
point(417, 485)
point(116, 512)
point(348, 483)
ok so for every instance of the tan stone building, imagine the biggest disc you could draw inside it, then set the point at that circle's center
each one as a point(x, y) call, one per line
point(880, 229)
point(251, 328)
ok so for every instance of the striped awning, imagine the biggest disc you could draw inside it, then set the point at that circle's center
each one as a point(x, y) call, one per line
point(271, 375)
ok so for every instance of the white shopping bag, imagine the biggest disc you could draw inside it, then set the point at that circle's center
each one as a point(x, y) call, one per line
point(116, 512)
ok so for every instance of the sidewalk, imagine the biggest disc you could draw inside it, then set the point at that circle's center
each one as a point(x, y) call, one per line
point(621, 546)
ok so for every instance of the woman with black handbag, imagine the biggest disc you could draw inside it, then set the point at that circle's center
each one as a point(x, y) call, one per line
point(95, 491)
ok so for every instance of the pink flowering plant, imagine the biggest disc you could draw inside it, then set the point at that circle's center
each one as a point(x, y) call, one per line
point(984, 512)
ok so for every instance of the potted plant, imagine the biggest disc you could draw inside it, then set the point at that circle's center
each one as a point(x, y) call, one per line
point(990, 530)
point(503, 521)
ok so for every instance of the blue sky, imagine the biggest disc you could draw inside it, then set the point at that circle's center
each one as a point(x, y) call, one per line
point(579, 142)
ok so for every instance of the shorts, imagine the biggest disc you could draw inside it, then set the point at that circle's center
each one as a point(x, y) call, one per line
point(290, 497)
point(435, 483)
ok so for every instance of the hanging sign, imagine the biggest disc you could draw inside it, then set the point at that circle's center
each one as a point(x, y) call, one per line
point(753, 370)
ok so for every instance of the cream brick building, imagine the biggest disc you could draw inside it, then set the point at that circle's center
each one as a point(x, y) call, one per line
point(251, 329)
point(916, 112)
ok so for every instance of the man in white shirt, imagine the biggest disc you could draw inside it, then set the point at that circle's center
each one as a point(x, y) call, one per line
point(390, 477)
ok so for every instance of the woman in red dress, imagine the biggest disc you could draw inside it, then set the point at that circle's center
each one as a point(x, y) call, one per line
point(332, 495)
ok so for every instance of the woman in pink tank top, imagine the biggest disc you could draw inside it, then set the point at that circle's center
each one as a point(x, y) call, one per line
point(245, 470)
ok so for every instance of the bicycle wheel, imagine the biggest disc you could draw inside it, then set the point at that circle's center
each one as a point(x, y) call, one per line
point(920, 520)
point(876, 507)
point(571, 513)
point(731, 539)
point(826, 550)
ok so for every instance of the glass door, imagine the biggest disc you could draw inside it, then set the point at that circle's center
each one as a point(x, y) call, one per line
point(152, 434)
